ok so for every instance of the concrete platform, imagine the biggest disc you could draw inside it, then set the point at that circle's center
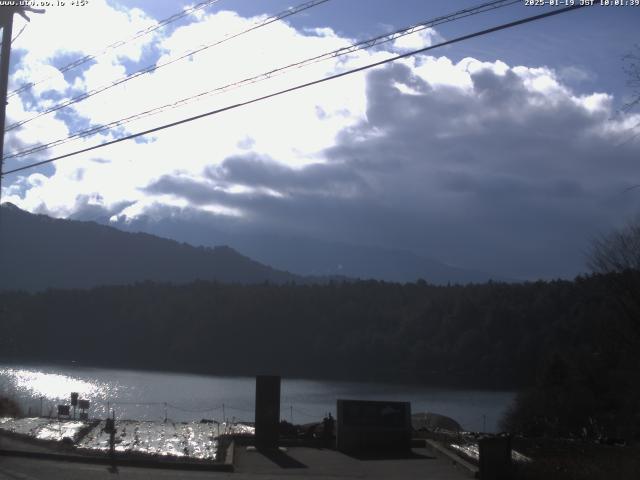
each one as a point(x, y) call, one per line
point(35, 451)
point(305, 462)
point(294, 462)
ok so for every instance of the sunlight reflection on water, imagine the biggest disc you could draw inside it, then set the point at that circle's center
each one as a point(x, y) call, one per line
point(179, 439)
point(156, 396)
point(52, 386)
point(41, 428)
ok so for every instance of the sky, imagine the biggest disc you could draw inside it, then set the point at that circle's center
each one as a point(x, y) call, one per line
point(507, 153)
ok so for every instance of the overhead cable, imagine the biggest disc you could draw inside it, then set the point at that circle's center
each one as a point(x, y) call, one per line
point(157, 66)
point(365, 44)
point(87, 58)
point(301, 86)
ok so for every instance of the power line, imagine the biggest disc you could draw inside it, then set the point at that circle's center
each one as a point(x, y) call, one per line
point(17, 35)
point(487, 31)
point(87, 58)
point(181, 409)
point(265, 76)
point(245, 410)
point(365, 44)
point(305, 413)
point(154, 67)
point(629, 139)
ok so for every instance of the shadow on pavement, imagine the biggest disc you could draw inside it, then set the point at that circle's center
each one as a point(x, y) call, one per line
point(281, 459)
point(390, 456)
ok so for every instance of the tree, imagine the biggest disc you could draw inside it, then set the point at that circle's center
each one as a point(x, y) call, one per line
point(590, 386)
point(616, 256)
point(9, 408)
point(632, 70)
point(618, 251)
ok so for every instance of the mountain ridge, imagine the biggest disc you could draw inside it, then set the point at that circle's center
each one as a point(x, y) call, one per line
point(39, 252)
point(312, 257)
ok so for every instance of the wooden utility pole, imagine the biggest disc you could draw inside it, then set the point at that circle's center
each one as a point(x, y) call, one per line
point(6, 22)
point(6, 17)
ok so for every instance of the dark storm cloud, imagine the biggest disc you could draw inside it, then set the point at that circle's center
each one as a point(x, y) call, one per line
point(197, 192)
point(260, 172)
point(90, 208)
point(502, 178)
point(304, 212)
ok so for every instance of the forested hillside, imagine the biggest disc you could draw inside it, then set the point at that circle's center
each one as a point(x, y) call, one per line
point(489, 335)
point(39, 252)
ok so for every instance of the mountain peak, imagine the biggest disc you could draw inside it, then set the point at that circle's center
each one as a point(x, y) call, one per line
point(11, 207)
point(79, 254)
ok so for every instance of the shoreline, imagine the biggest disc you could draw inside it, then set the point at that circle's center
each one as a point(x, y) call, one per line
point(449, 386)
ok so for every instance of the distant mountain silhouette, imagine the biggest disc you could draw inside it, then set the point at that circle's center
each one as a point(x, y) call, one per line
point(38, 252)
point(308, 256)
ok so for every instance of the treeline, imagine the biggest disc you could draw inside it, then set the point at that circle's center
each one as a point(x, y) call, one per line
point(493, 335)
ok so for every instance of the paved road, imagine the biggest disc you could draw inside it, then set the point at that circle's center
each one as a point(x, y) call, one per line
point(15, 468)
point(301, 462)
point(295, 463)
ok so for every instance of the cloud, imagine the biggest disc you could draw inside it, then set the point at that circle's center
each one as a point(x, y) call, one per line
point(574, 74)
point(417, 40)
point(484, 165)
point(252, 171)
point(513, 174)
point(309, 121)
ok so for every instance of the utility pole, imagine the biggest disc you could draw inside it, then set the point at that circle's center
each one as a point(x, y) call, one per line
point(6, 22)
point(6, 17)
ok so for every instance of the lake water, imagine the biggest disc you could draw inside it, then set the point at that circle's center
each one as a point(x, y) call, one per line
point(146, 395)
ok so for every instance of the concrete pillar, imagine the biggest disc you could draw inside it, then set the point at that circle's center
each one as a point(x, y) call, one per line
point(495, 458)
point(267, 411)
